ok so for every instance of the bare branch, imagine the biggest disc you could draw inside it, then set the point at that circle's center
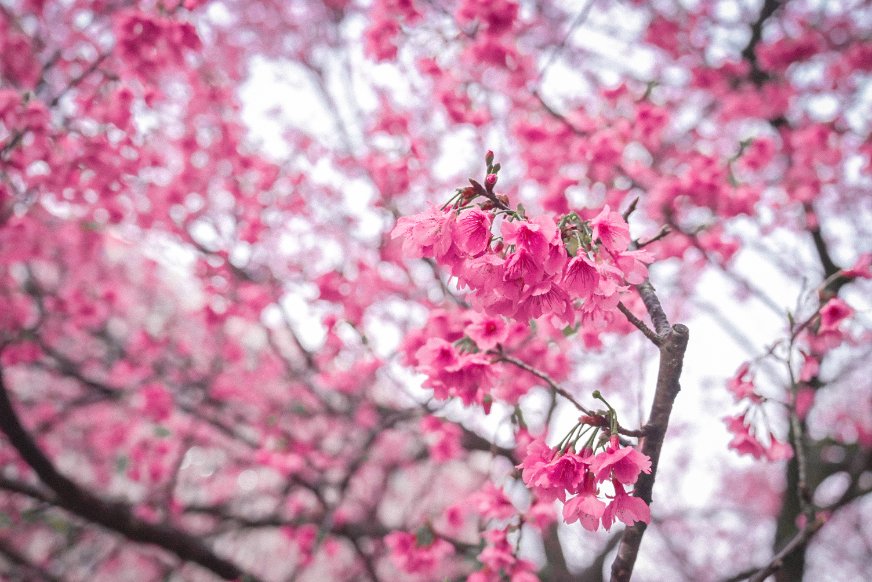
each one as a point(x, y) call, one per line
point(797, 542)
point(661, 234)
point(115, 516)
point(640, 325)
point(655, 310)
point(672, 349)
point(758, 76)
point(548, 380)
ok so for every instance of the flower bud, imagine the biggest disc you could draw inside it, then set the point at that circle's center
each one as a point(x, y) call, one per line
point(489, 158)
point(490, 181)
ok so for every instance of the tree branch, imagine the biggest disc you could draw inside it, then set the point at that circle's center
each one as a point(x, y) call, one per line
point(111, 515)
point(655, 310)
point(798, 541)
point(758, 76)
point(672, 349)
point(546, 378)
point(640, 325)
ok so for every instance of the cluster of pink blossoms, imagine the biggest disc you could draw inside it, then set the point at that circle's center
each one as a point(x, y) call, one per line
point(532, 267)
point(556, 473)
point(499, 561)
point(413, 556)
point(459, 352)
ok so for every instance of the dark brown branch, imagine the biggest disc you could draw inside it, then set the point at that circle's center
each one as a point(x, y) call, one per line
point(831, 269)
point(661, 234)
point(115, 516)
point(672, 349)
point(472, 441)
point(630, 209)
point(655, 310)
point(758, 76)
point(640, 325)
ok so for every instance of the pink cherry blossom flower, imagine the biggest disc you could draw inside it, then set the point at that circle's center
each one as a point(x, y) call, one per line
point(833, 313)
point(586, 509)
point(498, 554)
point(624, 462)
point(805, 397)
point(427, 234)
point(743, 442)
point(540, 515)
point(443, 438)
point(157, 402)
point(861, 267)
point(491, 502)
point(546, 298)
point(486, 331)
point(549, 476)
point(437, 354)
point(634, 265)
point(742, 384)
point(627, 508)
point(581, 277)
point(472, 231)
point(412, 558)
point(611, 228)
point(532, 237)
point(538, 454)
point(810, 368)
point(777, 450)
point(523, 265)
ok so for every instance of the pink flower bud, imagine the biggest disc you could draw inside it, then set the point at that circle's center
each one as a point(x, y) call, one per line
point(491, 180)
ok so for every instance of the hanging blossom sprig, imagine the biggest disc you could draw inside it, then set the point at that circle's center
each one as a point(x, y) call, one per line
point(813, 338)
point(575, 468)
point(518, 268)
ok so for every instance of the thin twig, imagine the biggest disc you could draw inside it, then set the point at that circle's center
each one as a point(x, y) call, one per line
point(796, 542)
point(630, 209)
point(640, 325)
point(548, 380)
point(576, 22)
point(661, 234)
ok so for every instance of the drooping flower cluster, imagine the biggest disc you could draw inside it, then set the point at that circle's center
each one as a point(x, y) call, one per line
point(822, 332)
point(557, 473)
point(527, 267)
point(745, 434)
